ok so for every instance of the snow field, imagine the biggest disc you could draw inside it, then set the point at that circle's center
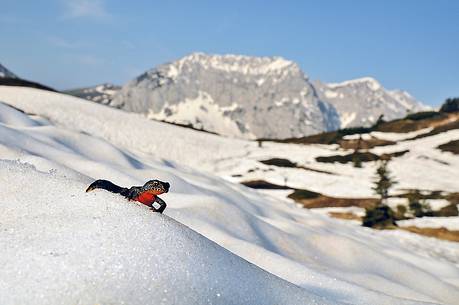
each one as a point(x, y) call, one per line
point(79, 141)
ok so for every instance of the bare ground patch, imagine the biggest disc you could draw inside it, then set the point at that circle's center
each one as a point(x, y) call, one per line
point(440, 233)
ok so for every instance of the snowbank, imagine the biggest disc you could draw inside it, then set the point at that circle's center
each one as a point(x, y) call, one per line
point(60, 245)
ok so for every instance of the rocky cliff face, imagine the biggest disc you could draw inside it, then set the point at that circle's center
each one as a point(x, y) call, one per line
point(102, 94)
point(241, 96)
point(361, 101)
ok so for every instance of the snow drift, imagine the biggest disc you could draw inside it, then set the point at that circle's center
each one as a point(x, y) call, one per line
point(62, 246)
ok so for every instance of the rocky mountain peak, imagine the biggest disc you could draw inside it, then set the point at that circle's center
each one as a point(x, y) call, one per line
point(233, 95)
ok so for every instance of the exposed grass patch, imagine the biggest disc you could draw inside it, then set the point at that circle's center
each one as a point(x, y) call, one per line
point(310, 199)
point(280, 162)
point(422, 115)
point(313, 200)
point(362, 156)
point(301, 194)
point(345, 216)
point(452, 147)
point(440, 121)
point(262, 184)
point(439, 129)
point(364, 144)
point(440, 233)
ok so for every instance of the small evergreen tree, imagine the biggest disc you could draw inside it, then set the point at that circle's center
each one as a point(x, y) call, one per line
point(381, 216)
point(418, 206)
point(450, 105)
point(414, 204)
point(356, 161)
point(401, 212)
point(384, 182)
point(380, 120)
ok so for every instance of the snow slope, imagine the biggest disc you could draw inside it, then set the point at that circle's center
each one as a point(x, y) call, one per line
point(63, 246)
point(228, 157)
point(76, 141)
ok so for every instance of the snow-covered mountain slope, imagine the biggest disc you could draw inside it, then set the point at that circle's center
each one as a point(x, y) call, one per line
point(227, 157)
point(77, 140)
point(102, 94)
point(4, 72)
point(241, 96)
point(360, 102)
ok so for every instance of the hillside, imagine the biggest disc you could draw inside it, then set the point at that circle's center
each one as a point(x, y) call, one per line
point(74, 141)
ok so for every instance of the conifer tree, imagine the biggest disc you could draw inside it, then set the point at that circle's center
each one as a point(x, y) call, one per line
point(384, 182)
point(381, 216)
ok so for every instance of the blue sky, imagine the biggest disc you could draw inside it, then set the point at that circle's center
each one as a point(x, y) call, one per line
point(412, 45)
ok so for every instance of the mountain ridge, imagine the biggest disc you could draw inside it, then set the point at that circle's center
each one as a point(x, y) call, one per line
point(240, 96)
point(361, 101)
point(254, 97)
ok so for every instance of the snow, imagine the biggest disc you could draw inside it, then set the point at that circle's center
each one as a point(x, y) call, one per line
point(330, 94)
point(405, 99)
point(240, 64)
point(360, 102)
point(363, 136)
point(206, 114)
point(310, 258)
point(450, 223)
point(69, 247)
point(372, 83)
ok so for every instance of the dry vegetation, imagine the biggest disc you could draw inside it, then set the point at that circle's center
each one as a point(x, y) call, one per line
point(439, 121)
point(440, 233)
point(280, 162)
point(452, 147)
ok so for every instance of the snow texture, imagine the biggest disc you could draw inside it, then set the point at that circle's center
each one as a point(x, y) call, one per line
point(61, 245)
point(450, 223)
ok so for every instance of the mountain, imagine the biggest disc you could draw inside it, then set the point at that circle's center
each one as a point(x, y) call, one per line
point(240, 96)
point(102, 93)
point(251, 97)
point(8, 78)
point(5, 73)
point(361, 101)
